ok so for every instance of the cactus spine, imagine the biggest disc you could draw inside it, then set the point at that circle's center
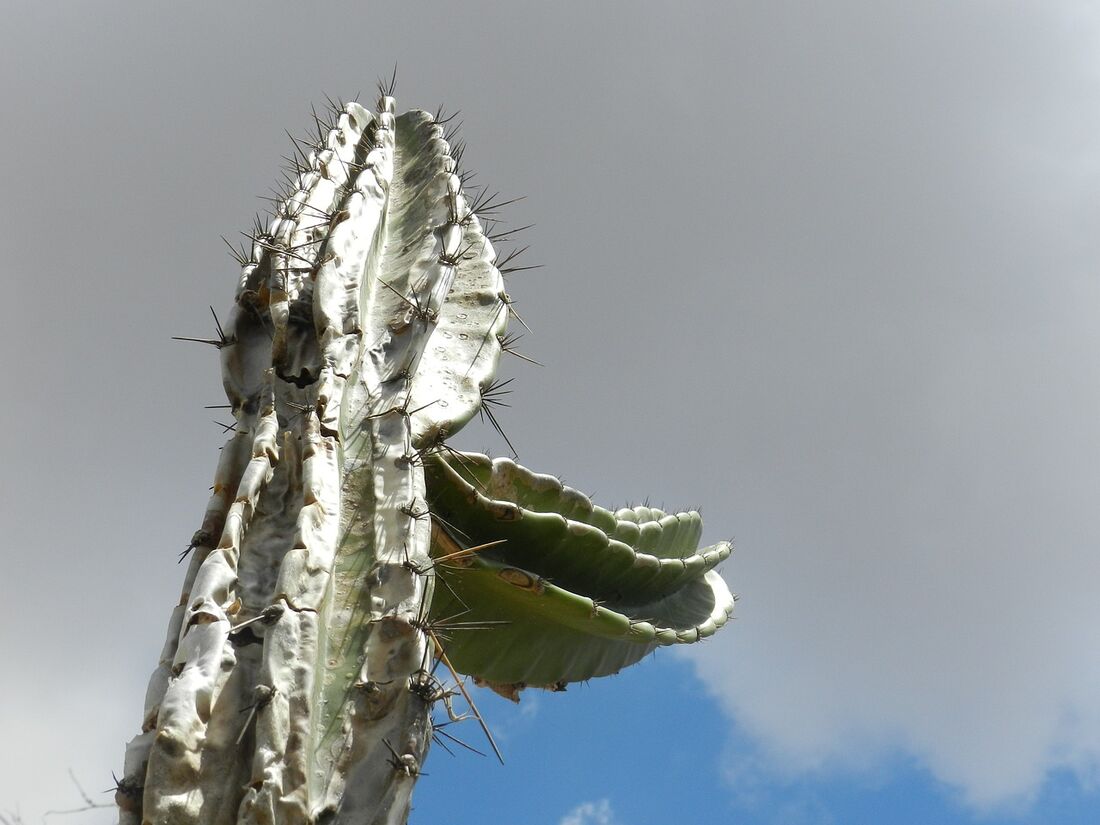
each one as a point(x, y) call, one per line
point(295, 683)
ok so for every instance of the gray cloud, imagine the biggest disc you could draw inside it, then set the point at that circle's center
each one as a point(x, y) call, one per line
point(916, 445)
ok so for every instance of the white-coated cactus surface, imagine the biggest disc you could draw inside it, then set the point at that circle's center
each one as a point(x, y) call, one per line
point(295, 684)
point(287, 690)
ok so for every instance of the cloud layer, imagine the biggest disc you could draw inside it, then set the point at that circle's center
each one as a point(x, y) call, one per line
point(916, 451)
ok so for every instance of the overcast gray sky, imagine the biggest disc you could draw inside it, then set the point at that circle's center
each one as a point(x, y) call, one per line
point(828, 271)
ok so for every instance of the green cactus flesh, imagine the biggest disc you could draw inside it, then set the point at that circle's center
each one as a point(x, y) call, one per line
point(567, 590)
point(339, 542)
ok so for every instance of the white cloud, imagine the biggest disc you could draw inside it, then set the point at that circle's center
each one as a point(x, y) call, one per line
point(590, 813)
point(917, 449)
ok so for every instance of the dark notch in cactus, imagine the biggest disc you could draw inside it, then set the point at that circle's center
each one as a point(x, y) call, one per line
point(347, 551)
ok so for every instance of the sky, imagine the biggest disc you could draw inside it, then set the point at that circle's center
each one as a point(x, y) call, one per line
point(828, 272)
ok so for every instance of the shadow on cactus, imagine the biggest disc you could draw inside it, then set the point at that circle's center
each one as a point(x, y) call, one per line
point(346, 550)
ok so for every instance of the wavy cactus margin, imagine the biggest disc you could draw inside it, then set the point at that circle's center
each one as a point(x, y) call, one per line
point(343, 536)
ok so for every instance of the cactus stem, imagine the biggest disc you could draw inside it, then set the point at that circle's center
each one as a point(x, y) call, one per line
point(501, 307)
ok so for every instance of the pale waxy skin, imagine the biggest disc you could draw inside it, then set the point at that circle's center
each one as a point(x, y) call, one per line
point(295, 683)
point(319, 513)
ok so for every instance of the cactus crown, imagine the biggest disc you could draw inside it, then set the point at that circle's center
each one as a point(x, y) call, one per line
point(343, 536)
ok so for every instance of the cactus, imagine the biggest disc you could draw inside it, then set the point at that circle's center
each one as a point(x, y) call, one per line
point(343, 536)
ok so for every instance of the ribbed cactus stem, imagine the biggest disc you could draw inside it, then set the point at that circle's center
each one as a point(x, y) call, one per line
point(295, 686)
point(317, 538)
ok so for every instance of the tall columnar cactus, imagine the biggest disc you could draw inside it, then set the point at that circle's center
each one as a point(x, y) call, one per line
point(343, 535)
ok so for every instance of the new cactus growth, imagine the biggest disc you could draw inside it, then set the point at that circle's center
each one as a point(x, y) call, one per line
point(343, 536)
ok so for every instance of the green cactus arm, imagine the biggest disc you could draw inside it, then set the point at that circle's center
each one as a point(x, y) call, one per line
point(503, 624)
point(569, 590)
point(632, 556)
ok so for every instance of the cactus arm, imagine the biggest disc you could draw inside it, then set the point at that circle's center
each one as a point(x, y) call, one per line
point(565, 601)
point(190, 737)
point(286, 732)
point(634, 554)
point(231, 464)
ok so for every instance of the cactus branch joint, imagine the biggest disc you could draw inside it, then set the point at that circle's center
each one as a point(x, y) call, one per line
point(352, 570)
